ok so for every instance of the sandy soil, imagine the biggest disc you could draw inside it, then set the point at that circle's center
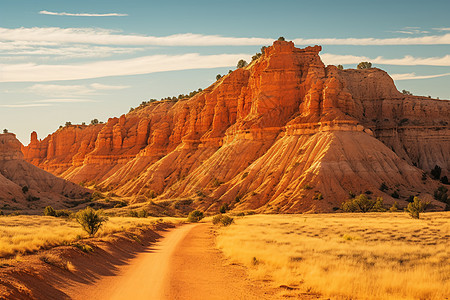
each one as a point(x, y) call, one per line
point(182, 265)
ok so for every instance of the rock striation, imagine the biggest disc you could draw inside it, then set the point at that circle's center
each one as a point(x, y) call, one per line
point(24, 186)
point(284, 134)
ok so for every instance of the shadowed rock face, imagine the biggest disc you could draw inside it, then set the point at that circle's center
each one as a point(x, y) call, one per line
point(283, 134)
point(24, 186)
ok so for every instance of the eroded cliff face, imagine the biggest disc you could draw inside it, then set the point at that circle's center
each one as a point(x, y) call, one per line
point(271, 136)
point(24, 186)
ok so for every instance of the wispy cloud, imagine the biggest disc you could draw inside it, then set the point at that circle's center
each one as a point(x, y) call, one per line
point(442, 29)
point(24, 105)
point(110, 37)
point(411, 30)
point(30, 72)
point(68, 100)
point(407, 60)
point(71, 90)
point(409, 76)
point(44, 12)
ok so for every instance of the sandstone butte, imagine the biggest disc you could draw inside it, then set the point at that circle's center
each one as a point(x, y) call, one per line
point(24, 186)
point(284, 134)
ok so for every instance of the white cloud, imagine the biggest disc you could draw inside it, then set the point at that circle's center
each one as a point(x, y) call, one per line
point(409, 76)
point(411, 30)
point(21, 48)
point(68, 100)
point(71, 90)
point(98, 36)
point(30, 72)
point(99, 86)
point(44, 12)
point(24, 105)
point(442, 29)
point(407, 60)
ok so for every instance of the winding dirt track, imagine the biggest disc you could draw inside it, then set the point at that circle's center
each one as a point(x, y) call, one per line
point(183, 265)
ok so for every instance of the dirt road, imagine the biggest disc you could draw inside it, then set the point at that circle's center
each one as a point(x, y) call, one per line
point(183, 265)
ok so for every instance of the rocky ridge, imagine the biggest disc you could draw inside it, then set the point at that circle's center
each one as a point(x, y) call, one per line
point(284, 134)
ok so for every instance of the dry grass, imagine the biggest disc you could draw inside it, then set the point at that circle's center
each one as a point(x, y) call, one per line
point(362, 256)
point(26, 234)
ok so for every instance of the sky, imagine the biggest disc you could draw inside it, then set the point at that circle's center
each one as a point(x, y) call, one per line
point(73, 61)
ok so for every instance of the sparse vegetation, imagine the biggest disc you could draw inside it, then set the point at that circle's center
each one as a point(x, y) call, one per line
point(344, 256)
point(241, 64)
point(224, 208)
point(49, 211)
point(5, 130)
point(364, 65)
point(25, 234)
point(364, 204)
point(436, 172)
point(405, 92)
point(90, 220)
point(340, 67)
point(223, 220)
point(195, 216)
point(416, 207)
point(281, 38)
point(218, 76)
point(394, 207)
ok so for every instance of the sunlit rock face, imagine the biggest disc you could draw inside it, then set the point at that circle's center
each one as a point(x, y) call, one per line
point(284, 134)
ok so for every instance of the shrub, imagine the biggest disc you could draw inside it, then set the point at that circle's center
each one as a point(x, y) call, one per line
point(5, 130)
point(444, 180)
point(340, 67)
point(49, 211)
point(441, 194)
point(90, 220)
point(395, 195)
point(133, 213)
point(364, 65)
point(317, 196)
point(436, 172)
point(218, 76)
point(216, 219)
point(244, 175)
point(242, 63)
point(363, 204)
point(226, 220)
point(223, 220)
point(281, 38)
point(195, 216)
point(394, 207)
point(24, 189)
point(94, 121)
point(405, 92)
point(383, 187)
point(416, 207)
point(63, 213)
point(224, 208)
point(142, 213)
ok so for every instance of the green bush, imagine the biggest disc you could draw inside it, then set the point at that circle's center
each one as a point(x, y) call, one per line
point(216, 219)
point(195, 216)
point(394, 207)
point(222, 219)
point(90, 220)
point(226, 220)
point(242, 63)
point(416, 207)
point(364, 65)
point(363, 204)
point(49, 211)
point(224, 208)
point(24, 189)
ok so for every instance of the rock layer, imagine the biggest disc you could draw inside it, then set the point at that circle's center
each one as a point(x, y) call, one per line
point(283, 134)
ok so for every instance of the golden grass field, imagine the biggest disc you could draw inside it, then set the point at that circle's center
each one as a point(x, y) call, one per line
point(25, 234)
point(345, 256)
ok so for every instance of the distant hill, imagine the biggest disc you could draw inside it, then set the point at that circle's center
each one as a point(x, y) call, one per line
point(24, 186)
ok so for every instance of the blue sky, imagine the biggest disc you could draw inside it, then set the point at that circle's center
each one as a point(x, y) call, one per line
point(79, 60)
